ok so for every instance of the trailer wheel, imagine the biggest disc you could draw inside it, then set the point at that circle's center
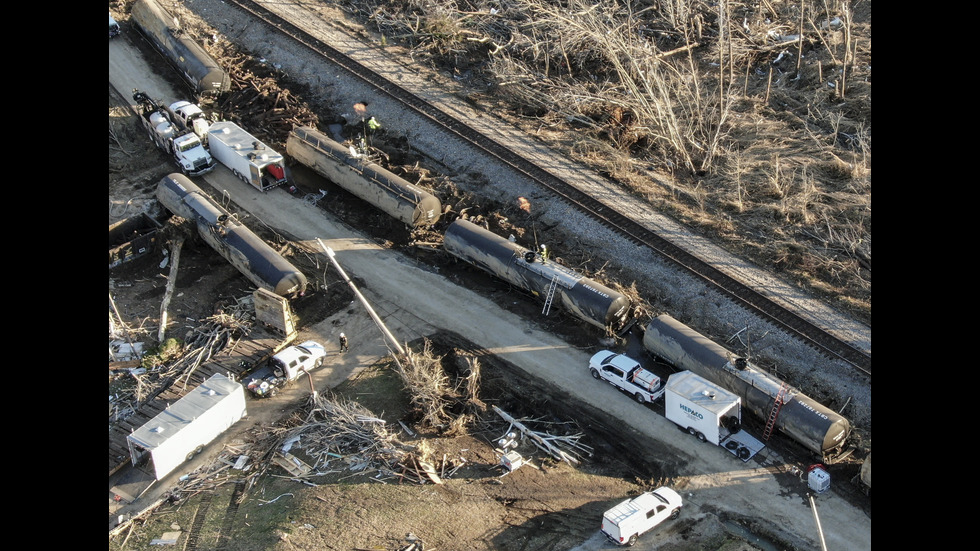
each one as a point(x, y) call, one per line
point(701, 437)
point(632, 541)
point(639, 398)
point(595, 374)
point(691, 431)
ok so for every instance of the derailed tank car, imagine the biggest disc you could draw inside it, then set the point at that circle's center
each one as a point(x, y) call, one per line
point(524, 268)
point(388, 192)
point(865, 475)
point(259, 262)
point(199, 69)
point(800, 417)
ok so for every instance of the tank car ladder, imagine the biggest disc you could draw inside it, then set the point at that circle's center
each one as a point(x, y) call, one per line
point(777, 405)
point(551, 295)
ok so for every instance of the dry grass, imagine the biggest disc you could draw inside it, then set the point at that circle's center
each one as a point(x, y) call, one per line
point(759, 112)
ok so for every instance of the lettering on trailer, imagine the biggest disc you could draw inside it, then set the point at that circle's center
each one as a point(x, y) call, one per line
point(692, 412)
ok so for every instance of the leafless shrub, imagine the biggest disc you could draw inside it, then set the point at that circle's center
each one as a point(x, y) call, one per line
point(758, 110)
point(440, 404)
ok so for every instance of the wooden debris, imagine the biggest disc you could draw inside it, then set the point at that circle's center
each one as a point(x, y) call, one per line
point(292, 464)
point(212, 336)
point(552, 445)
point(435, 395)
point(256, 97)
point(430, 471)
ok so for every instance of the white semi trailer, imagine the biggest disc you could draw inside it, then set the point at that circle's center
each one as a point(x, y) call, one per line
point(181, 431)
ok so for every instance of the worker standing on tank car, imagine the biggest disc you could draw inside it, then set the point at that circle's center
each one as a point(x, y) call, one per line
point(343, 343)
point(544, 254)
point(372, 126)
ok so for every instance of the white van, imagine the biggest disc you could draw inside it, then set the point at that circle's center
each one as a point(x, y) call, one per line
point(625, 522)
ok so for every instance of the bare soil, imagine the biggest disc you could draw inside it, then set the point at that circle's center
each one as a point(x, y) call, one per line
point(549, 506)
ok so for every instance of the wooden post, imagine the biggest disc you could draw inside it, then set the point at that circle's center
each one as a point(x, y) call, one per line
point(384, 329)
point(177, 244)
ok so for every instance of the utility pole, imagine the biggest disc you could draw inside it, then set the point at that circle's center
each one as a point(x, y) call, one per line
point(816, 517)
point(374, 316)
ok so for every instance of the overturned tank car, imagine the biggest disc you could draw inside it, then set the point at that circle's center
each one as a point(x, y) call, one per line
point(253, 257)
point(529, 270)
point(386, 191)
point(202, 73)
point(800, 417)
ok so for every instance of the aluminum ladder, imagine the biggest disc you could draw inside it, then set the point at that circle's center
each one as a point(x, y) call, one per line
point(777, 405)
point(551, 295)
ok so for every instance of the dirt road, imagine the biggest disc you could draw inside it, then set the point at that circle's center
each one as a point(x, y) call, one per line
point(414, 301)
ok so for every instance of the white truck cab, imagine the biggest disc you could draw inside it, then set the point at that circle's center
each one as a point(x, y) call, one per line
point(630, 519)
point(190, 153)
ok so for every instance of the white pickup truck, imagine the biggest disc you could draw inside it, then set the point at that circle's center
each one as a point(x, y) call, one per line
point(285, 367)
point(625, 373)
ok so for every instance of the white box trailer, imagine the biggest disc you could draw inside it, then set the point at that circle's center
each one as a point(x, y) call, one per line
point(182, 430)
point(246, 156)
point(710, 413)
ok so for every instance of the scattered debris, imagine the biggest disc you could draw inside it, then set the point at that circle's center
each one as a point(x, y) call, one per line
point(200, 344)
point(168, 538)
point(564, 448)
point(435, 396)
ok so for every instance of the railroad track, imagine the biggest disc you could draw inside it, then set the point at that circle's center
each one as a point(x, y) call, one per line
point(735, 290)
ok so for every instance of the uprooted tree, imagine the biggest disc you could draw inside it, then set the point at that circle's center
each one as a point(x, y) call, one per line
point(444, 403)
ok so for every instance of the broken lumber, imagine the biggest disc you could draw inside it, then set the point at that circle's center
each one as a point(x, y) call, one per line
point(538, 440)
